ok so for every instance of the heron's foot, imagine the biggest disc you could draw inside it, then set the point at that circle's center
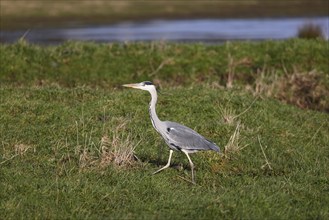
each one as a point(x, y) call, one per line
point(167, 165)
point(160, 169)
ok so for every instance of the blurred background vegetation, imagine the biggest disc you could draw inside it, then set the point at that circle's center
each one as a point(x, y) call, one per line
point(36, 13)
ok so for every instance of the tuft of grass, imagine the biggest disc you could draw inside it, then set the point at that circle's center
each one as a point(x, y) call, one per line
point(310, 31)
point(116, 150)
point(233, 146)
point(228, 115)
point(305, 90)
point(21, 149)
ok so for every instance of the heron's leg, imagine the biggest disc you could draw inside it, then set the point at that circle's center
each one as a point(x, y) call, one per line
point(191, 164)
point(167, 165)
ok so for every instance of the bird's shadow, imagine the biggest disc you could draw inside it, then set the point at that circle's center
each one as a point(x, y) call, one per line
point(161, 163)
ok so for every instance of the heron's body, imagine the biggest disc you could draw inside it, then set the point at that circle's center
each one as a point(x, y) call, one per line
point(177, 136)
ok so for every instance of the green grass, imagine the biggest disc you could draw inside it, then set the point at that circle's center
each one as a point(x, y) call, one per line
point(295, 71)
point(57, 104)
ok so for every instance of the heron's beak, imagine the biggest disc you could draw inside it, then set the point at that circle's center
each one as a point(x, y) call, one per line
point(133, 85)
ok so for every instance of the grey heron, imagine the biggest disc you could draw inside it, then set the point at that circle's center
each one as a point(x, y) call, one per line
point(177, 136)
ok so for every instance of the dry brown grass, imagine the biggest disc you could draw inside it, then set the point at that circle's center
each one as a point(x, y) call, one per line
point(310, 31)
point(231, 118)
point(115, 149)
point(234, 144)
point(307, 90)
point(118, 151)
point(19, 149)
point(229, 114)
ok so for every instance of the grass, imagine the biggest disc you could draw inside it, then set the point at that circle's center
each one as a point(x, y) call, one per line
point(70, 134)
point(33, 13)
point(293, 71)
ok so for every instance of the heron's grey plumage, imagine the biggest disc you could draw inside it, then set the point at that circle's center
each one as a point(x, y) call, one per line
point(182, 137)
point(177, 136)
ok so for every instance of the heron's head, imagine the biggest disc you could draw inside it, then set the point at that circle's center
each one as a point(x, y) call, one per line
point(148, 86)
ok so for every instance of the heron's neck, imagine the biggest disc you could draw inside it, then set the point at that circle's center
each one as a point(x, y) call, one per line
point(154, 117)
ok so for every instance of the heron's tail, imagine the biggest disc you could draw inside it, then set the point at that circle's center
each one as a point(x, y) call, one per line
point(213, 146)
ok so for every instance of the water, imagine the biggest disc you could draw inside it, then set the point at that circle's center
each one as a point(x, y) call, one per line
point(193, 30)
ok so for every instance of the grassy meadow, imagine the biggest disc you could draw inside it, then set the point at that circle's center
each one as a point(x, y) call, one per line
point(75, 144)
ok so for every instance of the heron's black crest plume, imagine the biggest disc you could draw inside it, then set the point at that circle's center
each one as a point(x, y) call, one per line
point(148, 83)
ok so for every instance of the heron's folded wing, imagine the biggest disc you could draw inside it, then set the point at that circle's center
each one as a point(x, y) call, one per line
point(186, 138)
